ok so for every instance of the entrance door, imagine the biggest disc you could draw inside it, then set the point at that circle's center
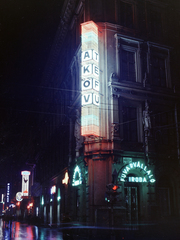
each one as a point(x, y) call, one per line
point(131, 199)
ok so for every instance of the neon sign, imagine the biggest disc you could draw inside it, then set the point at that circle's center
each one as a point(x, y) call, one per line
point(66, 179)
point(25, 182)
point(90, 99)
point(77, 179)
point(8, 192)
point(19, 196)
point(149, 176)
point(137, 179)
point(53, 189)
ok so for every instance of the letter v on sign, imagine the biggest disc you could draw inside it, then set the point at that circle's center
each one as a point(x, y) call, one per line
point(86, 99)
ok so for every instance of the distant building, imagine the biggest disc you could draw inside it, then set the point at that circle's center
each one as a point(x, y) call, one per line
point(111, 92)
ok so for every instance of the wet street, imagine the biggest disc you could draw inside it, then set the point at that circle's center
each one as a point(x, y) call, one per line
point(19, 231)
point(169, 230)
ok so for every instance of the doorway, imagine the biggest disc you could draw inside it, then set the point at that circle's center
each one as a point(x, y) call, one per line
point(131, 202)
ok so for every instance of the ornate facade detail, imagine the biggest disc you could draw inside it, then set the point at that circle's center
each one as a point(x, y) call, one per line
point(147, 120)
point(114, 77)
point(115, 131)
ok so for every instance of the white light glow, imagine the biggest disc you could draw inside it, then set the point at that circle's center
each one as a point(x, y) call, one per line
point(25, 182)
point(89, 79)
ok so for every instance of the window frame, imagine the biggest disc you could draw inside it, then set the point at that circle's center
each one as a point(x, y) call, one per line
point(163, 52)
point(131, 45)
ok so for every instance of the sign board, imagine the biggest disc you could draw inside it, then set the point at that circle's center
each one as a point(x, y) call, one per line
point(90, 99)
point(25, 182)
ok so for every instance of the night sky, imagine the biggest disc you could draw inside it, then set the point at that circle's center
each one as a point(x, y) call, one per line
point(27, 30)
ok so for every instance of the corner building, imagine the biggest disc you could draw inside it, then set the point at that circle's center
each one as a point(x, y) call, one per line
point(114, 63)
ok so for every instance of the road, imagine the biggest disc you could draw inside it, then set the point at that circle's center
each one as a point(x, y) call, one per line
point(20, 231)
point(169, 230)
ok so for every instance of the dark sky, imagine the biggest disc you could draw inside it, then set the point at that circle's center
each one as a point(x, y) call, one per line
point(27, 30)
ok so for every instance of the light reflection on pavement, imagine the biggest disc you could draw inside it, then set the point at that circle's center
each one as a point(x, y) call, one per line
point(19, 231)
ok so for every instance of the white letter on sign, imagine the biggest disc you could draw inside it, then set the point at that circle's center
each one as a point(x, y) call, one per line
point(86, 84)
point(95, 70)
point(95, 84)
point(87, 99)
point(87, 69)
point(96, 99)
point(86, 55)
point(95, 56)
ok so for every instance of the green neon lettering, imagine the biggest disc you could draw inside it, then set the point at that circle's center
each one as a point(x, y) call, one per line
point(124, 171)
point(127, 168)
point(144, 179)
point(131, 165)
point(134, 164)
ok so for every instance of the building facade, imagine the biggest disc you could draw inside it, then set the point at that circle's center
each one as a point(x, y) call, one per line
point(112, 81)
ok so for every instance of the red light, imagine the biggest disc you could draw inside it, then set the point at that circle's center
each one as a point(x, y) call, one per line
point(115, 187)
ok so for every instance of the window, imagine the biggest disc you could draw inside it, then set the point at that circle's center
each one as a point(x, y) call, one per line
point(159, 66)
point(155, 23)
point(164, 128)
point(130, 119)
point(126, 15)
point(128, 66)
point(158, 71)
point(128, 59)
point(130, 124)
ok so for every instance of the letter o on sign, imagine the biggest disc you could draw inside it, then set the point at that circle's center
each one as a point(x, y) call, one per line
point(86, 83)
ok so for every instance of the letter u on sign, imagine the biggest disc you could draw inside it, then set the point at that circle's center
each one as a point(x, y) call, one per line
point(96, 99)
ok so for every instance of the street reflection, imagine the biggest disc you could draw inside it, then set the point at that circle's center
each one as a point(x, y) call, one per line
point(19, 231)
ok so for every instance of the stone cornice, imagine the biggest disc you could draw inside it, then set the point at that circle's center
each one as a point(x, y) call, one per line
point(136, 91)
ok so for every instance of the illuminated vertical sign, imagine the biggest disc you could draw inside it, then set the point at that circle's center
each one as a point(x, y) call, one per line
point(90, 99)
point(8, 192)
point(25, 182)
